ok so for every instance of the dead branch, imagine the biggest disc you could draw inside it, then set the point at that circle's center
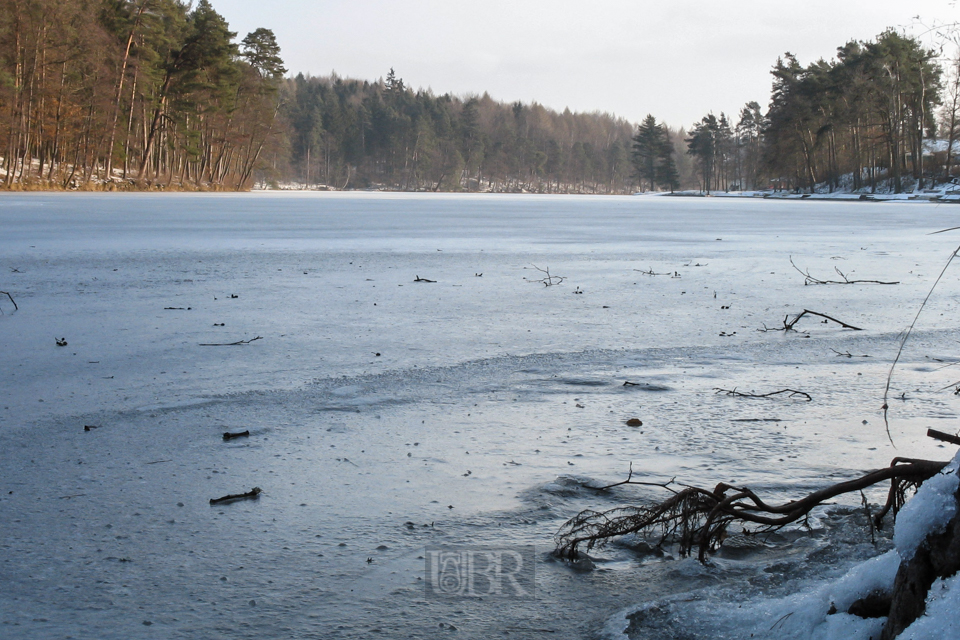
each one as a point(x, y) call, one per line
point(651, 272)
point(252, 494)
point(739, 394)
point(548, 280)
point(229, 344)
point(809, 279)
point(419, 279)
point(236, 434)
point(847, 354)
point(15, 307)
point(789, 324)
point(945, 437)
point(696, 517)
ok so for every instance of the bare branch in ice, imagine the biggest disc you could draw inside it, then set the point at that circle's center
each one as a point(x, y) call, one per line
point(791, 393)
point(788, 324)
point(809, 279)
point(548, 280)
point(419, 279)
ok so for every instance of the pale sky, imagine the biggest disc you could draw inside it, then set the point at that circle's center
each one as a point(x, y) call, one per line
point(678, 60)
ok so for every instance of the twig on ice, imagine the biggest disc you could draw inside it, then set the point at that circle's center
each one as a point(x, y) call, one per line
point(15, 307)
point(229, 344)
point(809, 279)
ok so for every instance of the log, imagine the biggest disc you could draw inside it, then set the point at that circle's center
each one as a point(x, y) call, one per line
point(253, 494)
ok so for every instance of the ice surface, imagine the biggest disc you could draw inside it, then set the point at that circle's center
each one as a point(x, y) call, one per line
point(519, 384)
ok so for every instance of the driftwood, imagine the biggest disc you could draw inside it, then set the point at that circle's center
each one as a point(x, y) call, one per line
point(809, 279)
point(15, 307)
point(548, 280)
point(789, 324)
point(696, 517)
point(236, 434)
point(419, 279)
point(229, 344)
point(253, 494)
point(791, 393)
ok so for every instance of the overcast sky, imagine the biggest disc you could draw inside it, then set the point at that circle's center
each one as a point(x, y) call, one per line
point(676, 59)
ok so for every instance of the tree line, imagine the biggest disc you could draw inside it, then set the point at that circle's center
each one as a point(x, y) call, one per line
point(143, 93)
point(160, 94)
point(351, 133)
point(858, 121)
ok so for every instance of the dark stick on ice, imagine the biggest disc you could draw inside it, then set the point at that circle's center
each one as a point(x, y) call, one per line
point(788, 324)
point(699, 518)
point(945, 437)
point(253, 494)
point(229, 344)
point(809, 279)
point(419, 279)
point(791, 393)
point(236, 434)
point(847, 354)
point(15, 307)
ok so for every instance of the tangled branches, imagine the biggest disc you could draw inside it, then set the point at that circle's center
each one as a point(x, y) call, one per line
point(548, 280)
point(695, 517)
point(791, 393)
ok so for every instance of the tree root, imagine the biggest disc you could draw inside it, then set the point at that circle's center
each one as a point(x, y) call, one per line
point(696, 517)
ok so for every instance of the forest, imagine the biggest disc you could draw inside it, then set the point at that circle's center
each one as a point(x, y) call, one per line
point(160, 94)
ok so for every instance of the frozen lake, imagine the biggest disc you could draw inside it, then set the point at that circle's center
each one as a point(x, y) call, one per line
point(388, 415)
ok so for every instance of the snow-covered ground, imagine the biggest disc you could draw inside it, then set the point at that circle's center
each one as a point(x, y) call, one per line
point(387, 415)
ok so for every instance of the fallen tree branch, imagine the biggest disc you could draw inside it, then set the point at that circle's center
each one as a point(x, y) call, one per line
point(419, 279)
point(789, 324)
point(847, 354)
point(236, 434)
point(229, 344)
point(809, 279)
point(944, 437)
point(696, 517)
point(252, 494)
point(791, 393)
